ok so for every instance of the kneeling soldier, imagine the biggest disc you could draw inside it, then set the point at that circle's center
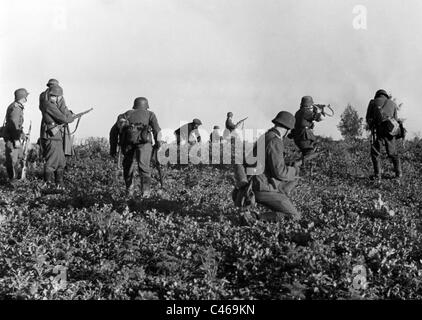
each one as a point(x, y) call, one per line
point(14, 132)
point(136, 126)
point(272, 187)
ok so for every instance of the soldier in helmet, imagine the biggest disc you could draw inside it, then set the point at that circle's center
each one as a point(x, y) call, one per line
point(215, 136)
point(381, 109)
point(61, 103)
point(51, 138)
point(272, 187)
point(14, 134)
point(135, 126)
point(187, 131)
point(303, 134)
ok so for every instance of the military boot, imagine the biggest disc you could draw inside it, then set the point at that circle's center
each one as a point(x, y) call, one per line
point(48, 179)
point(59, 178)
point(397, 166)
point(146, 186)
point(377, 169)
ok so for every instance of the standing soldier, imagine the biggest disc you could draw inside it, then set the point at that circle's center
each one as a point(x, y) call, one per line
point(230, 131)
point(272, 187)
point(382, 112)
point(61, 103)
point(215, 136)
point(186, 132)
point(136, 126)
point(14, 132)
point(303, 134)
point(52, 138)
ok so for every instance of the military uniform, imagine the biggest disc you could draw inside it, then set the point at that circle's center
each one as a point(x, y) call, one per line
point(185, 132)
point(215, 136)
point(303, 134)
point(13, 135)
point(272, 187)
point(379, 109)
point(141, 153)
point(52, 145)
point(61, 104)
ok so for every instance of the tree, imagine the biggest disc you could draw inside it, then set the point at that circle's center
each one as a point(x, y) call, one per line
point(350, 125)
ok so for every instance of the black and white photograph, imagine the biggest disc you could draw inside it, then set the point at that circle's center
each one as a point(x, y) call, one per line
point(210, 155)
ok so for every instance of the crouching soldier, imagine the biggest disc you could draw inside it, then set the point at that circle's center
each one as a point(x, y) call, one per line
point(382, 119)
point(189, 132)
point(135, 126)
point(13, 134)
point(303, 134)
point(273, 185)
point(52, 135)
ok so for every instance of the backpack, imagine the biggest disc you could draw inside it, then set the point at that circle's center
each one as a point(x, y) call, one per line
point(389, 126)
point(136, 133)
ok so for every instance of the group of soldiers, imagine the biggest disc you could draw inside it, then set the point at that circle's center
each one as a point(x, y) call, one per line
point(135, 136)
point(54, 140)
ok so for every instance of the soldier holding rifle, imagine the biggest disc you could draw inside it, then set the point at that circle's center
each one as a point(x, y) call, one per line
point(231, 126)
point(52, 135)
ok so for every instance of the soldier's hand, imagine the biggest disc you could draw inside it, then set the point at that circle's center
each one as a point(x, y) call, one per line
point(157, 145)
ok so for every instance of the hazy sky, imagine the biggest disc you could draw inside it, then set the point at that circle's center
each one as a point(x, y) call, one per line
point(202, 58)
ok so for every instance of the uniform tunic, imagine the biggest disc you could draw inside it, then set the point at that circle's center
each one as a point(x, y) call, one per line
point(304, 137)
point(14, 130)
point(52, 144)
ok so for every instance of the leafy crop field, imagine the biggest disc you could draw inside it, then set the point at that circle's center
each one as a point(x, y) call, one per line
point(358, 239)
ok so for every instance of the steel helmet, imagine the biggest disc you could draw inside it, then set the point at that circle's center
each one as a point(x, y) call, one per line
point(381, 92)
point(229, 114)
point(20, 94)
point(306, 101)
point(52, 82)
point(284, 119)
point(197, 122)
point(56, 91)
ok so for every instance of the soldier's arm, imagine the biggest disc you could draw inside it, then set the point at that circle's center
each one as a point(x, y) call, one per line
point(114, 139)
point(54, 112)
point(15, 117)
point(64, 108)
point(278, 167)
point(198, 135)
point(154, 125)
point(369, 114)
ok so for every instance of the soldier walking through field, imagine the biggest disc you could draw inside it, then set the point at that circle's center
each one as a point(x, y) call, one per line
point(303, 134)
point(136, 126)
point(273, 185)
point(384, 124)
point(52, 135)
point(14, 135)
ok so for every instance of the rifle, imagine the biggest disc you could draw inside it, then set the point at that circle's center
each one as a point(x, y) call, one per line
point(322, 107)
point(157, 165)
point(373, 140)
point(78, 116)
point(25, 153)
point(241, 121)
